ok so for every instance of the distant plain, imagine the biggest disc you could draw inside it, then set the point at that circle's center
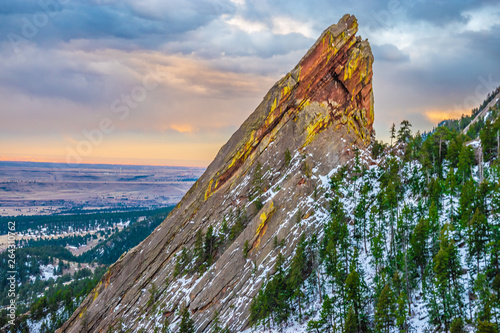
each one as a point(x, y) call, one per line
point(31, 188)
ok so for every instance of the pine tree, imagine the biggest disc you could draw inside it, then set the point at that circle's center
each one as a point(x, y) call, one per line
point(199, 254)
point(258, 187)
point(385, 310)
point(451, 185)
point(404, 133)
point(465, 162)
point(477, 237)
point(454, 149)
point(181, 263)
point(467, 202)
point(418, 243)
point(298, 273)
point(354, 285)
point(457, 326)
point(447, 270)
point(402, 311)
point(487, 136)
point(328, 314)
point(334, 255)
point(187, 324)
point(209, 245)
point(486, 327)
point(393, 132)
point(288, 157)
point(351, 324)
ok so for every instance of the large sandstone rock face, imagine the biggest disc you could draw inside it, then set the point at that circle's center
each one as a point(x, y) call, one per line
point(318, 111)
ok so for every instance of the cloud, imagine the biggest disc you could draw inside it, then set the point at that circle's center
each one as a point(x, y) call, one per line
point(217, 58)
point(442, 13)
point(436, 116)
point(144, 24)
point(389, 52)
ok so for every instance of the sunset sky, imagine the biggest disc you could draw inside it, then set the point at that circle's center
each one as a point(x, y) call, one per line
point(167, 82)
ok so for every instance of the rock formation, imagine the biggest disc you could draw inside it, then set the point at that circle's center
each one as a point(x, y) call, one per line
point(317, 113)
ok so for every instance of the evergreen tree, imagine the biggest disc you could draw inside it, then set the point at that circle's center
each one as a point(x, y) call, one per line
point(210, 245)
point(488, 144)
point(351, 324)
point(467, 202)
point(465, 161)
point(298, 273)
point(288, 157)
point(404, 133)
point(486, 327)
point(258, 186)
point(223, 236)
point(393, 132)
point(457, 326)
point(385, 310)
point(418, 244)
point(187, 324)
point(447, 270)
point(477, 237)
point(402, 311)
point(454, 149)
point(199, 254)
point(353, 292)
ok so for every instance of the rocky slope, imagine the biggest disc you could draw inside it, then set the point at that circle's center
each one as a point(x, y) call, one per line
point(318, 112)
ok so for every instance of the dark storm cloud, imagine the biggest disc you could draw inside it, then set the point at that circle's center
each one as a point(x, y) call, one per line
point(443, 12)
point(68, 20)
point(486, 42)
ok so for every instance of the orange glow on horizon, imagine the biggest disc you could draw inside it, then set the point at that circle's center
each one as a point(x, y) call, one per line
point(437, 116)
point(146, 162)
point(114, 152)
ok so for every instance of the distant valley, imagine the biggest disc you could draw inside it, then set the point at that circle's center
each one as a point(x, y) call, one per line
point(30, 188)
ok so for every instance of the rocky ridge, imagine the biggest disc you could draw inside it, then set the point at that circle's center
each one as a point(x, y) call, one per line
point(318, 112)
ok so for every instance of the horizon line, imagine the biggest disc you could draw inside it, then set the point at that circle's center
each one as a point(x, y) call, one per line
point(103, 163)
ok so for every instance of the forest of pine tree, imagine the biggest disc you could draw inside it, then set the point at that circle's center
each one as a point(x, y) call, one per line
point(412, 243)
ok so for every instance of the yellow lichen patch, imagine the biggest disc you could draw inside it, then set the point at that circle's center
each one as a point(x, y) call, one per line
point(352, 64)
point(272, 115)
point(285, 91)
point(265, 215)
point(240, 156)
point(317, 126)
point(357, 123)
point(256, 243)
point(108, 279)
point(208, 192)
point(304, 103)
point(244, 151)
point(96, 291)
point(273, 106)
